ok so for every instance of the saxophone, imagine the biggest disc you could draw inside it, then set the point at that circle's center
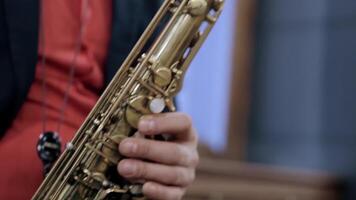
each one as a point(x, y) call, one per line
point(145, 84)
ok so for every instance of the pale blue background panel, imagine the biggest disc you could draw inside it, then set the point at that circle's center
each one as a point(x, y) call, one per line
point(205, 94)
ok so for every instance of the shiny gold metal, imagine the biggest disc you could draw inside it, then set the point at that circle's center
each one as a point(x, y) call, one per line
point(87, 168)
point(162, 76)
point(136, 109)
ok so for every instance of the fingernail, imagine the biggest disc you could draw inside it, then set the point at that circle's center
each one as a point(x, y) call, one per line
point(146, 124)
point(127, 169)
point(129, 147)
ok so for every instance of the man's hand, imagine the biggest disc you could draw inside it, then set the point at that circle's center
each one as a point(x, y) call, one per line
point(166, 168)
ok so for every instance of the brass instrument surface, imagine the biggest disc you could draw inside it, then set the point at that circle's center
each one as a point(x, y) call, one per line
point(144, 84)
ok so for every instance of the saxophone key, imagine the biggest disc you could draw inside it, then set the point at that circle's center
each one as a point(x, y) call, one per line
point(157, 105)
point(162, 76)
point(170, 104)
point(197, 7)
point(113, 160)
point(211, 19)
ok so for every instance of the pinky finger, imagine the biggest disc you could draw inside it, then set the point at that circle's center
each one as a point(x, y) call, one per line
point(157, 191)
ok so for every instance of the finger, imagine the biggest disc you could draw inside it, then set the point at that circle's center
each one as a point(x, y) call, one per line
point(178, 124)
point(161, 192)
point(136, 169)
point(174, 154)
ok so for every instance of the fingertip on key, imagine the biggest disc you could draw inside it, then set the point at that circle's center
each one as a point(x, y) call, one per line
point(146, 125)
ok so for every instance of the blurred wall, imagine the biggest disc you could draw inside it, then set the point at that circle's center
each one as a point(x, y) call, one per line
point(304, 85)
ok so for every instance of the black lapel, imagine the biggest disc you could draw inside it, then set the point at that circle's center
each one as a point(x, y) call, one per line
point(22, 20)
point(130, 18)
point(124, 26)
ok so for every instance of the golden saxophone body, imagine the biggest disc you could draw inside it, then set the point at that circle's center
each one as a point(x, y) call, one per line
point(145, 84)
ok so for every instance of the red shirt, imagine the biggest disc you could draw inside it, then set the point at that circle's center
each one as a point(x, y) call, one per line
point(21, 169)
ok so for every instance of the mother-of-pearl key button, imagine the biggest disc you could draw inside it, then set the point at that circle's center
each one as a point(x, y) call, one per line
point(157, 105)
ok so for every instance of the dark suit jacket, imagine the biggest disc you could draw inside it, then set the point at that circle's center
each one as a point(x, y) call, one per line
point(19, 20)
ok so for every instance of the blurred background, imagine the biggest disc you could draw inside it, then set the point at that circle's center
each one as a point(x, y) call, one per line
point(273, 96)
